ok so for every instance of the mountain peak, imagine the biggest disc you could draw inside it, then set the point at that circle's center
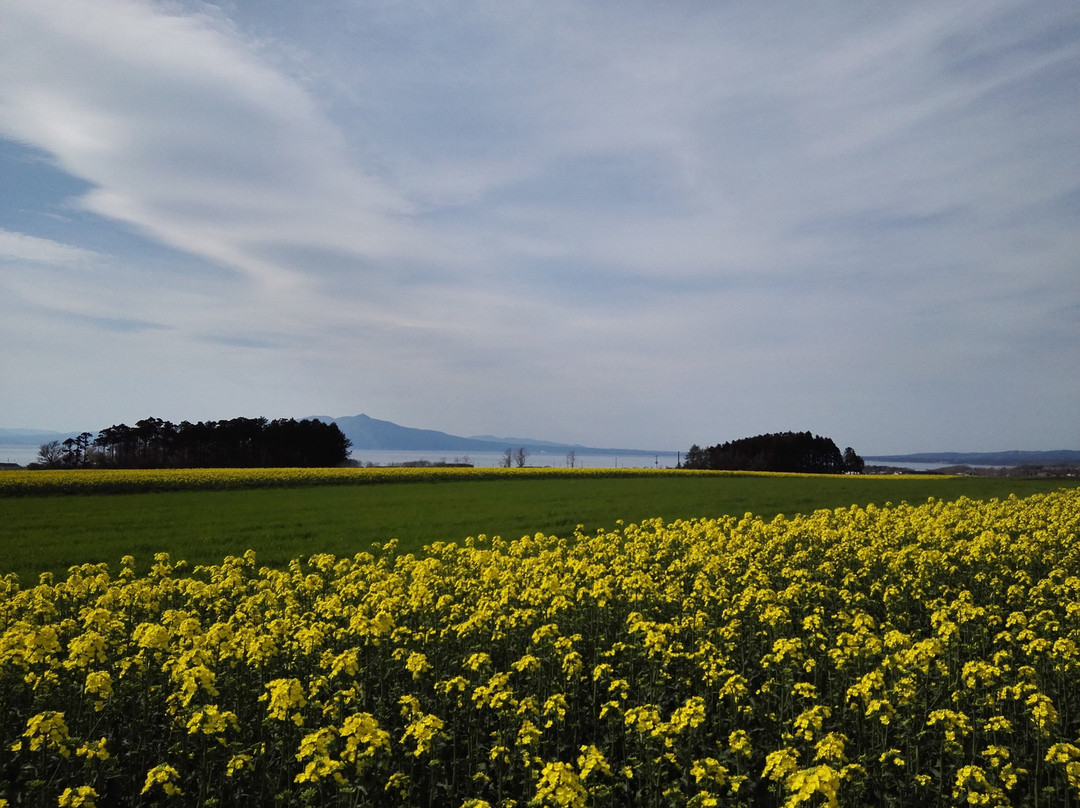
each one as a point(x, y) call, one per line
point(370, 433)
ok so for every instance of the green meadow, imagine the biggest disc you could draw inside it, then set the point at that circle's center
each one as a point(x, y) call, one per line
point(52, 532)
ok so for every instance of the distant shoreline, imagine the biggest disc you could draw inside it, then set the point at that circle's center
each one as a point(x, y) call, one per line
point(1010, 458)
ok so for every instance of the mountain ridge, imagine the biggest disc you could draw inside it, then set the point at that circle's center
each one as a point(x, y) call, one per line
point(367, 433)
point(1009, 458)
point(32, 437)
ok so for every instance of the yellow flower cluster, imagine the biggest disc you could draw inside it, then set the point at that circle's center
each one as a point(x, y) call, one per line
point(902, 655)
point(87, 481)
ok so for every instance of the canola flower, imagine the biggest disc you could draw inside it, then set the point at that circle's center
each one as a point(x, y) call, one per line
point(42, 482)
point(901, 655)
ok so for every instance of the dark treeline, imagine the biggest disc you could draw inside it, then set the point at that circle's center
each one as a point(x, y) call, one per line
point(780, 451)
point(237, 443)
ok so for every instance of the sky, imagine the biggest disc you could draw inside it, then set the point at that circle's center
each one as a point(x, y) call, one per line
point(635, 224)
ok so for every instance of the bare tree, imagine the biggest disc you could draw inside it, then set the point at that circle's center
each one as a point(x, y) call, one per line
point(520, 455)
point(507, 457)
point(571, 458)
point(50, 454)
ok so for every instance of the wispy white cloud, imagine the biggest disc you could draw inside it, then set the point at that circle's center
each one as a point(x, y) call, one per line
point(184, 132)
point(41, 251)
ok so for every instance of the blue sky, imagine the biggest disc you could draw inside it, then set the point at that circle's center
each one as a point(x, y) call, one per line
point(634, 224)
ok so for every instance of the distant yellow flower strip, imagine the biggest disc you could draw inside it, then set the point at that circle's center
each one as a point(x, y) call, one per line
point(44, 482)
point(908, 655)
point(103, 481)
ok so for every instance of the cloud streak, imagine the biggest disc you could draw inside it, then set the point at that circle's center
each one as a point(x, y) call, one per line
point(184, 133)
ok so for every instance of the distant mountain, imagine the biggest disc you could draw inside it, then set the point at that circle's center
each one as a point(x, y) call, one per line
point(370, 433)
point(1014, 458)
point(31, 437)
point(366, 432)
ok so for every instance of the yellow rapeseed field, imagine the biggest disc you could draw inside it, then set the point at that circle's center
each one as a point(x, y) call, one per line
point(903, 655)
point(90, 481)
point(104, 481)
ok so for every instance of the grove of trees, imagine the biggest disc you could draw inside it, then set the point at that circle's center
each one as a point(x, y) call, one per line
point(238, 443)
point(779, 451)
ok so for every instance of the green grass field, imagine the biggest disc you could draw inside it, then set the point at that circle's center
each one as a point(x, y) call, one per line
point(52, 533)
